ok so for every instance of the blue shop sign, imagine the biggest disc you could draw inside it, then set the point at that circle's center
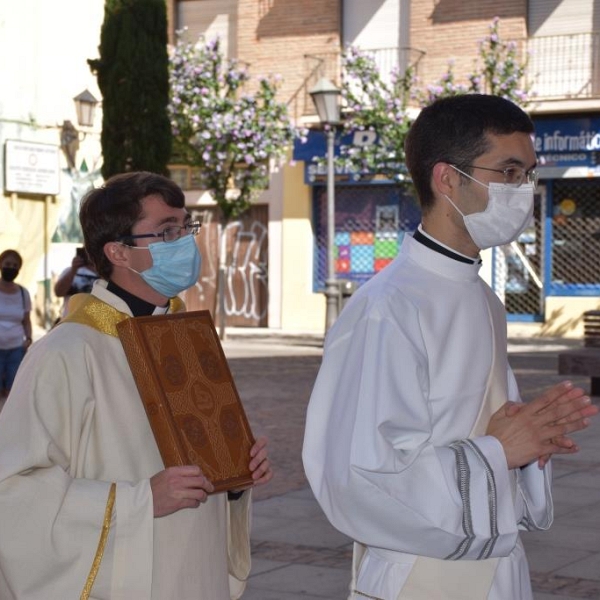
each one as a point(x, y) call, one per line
point(314, 147)
point(567, 142)
point(567, 147)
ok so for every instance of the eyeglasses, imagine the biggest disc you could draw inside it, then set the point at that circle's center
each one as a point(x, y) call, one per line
point(513, 176)
point(168, 234)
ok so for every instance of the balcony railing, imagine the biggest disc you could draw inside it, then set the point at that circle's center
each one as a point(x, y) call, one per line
point(560, 67)
point(564, 66)
point(329, 65)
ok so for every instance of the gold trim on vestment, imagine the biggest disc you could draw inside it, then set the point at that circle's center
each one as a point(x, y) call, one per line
point(87, 588)
point(86, 309)
point(366, 595)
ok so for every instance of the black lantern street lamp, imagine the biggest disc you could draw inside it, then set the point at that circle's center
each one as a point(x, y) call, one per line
point(85, 105)
point(326, 99)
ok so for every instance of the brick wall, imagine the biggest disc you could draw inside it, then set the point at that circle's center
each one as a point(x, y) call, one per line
point(447, 29)
point(274, 36)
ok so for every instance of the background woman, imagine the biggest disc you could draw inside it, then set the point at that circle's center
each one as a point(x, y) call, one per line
point(15, 320)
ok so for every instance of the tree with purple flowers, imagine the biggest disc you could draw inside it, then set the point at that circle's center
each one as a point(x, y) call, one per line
point(444, 87)
point(229, 133)
point(218, 126)
point(374, 102)
point(498, 70)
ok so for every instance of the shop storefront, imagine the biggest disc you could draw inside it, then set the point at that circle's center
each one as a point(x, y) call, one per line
point(372, 214)
point(553, 273)
point(550, 275)
point(568, 151)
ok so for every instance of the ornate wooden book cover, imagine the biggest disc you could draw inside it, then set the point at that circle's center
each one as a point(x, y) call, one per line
point(189, 394)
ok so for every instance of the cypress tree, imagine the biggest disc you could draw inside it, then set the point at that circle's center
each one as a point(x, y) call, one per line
point(133, 76)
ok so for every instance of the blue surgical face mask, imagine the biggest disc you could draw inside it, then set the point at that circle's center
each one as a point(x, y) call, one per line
point(175, 266)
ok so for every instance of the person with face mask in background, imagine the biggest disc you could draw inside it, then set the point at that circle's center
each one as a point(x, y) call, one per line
point(15, 320)
point(87, 508)
point(417, 445)
point(78, 278)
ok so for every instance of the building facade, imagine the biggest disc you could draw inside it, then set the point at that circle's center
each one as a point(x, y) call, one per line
point(44, 49)
point(277, 274)
point(550, 276)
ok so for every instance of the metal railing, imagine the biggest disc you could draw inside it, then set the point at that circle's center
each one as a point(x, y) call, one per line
point(564, 66)
point(329, 65)
point(558, 67)
point(315, 67)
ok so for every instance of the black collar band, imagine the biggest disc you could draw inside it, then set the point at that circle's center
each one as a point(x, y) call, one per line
point(426, 241)
point(137, 306)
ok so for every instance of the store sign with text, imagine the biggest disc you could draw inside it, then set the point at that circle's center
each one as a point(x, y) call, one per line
point(313, 151)
point(568, 142)
point(559, 144)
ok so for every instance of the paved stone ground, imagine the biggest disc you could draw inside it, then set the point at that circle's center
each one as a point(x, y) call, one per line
point(298, 555)
point(275, 392)
point(565, 561)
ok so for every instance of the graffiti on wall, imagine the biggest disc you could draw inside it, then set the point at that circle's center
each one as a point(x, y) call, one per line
point(246, 274)
point(246, 282)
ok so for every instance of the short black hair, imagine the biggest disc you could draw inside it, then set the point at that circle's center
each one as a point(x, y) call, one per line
point(108, 213)
point(455, 130)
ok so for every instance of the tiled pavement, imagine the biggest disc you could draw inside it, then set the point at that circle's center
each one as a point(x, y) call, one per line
point(297, 555)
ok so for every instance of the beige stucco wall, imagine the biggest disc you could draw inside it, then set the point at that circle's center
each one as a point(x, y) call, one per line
point(301, 309)
point(43, 51)
point(564, 315)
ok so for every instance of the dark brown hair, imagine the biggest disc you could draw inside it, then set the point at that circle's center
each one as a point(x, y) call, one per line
point(455, 130)
point(108, 213)
point(11, 252)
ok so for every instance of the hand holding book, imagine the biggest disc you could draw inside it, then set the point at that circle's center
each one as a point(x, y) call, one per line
point(186, 487)
point(260, 465)
point(179, 487)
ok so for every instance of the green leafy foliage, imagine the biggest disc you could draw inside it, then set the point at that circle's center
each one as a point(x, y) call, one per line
point(133, 77)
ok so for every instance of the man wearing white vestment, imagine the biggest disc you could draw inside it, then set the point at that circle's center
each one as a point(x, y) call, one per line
point(87, 508)
point(417, 445)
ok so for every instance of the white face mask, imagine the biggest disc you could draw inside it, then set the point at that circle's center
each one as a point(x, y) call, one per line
point(509, 211)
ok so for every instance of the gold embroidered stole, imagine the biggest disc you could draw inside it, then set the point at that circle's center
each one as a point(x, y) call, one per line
point(108, 511)
point(86, 309)
point(89, 310)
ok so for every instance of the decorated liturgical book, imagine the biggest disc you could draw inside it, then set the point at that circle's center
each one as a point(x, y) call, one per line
point(189, 395)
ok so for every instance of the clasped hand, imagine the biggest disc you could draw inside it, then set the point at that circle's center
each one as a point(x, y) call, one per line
point(175, 488)
point(540, 428)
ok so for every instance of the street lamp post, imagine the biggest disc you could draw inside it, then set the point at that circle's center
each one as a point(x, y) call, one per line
point(326, 99)
point(85, 105)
